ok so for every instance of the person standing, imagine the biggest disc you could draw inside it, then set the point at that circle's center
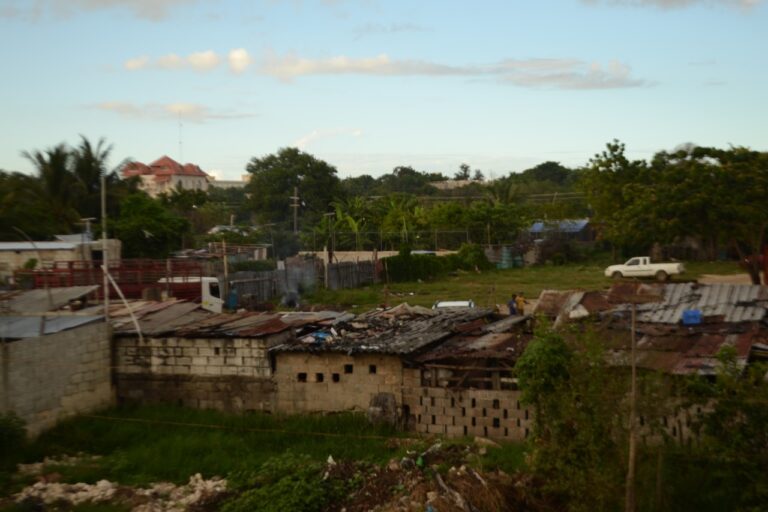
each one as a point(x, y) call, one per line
point(520, 303)
point(512, 305)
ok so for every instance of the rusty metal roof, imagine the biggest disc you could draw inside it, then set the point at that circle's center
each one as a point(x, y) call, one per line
point(397, 331)
point(20, 327)
point(181, 318)
point(683, 350)
point(731, 303)
point(41, 300)
point(721, 302)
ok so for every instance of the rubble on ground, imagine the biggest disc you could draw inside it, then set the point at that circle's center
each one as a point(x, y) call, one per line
point(439, 478)
point(159, 497)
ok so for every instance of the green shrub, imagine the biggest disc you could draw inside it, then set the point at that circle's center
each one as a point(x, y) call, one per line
point(285, 482)
point(411, 267)
point(12, 440)
point(253, 266)
point(472, 257)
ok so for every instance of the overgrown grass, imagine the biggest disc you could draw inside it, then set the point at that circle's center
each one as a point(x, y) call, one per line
point(510, 457)
point(83, 507)
point(492, 287)
point(147, 444)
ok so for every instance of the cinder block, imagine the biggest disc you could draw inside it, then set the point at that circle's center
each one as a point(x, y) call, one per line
point(454, 431)
point(436, 429)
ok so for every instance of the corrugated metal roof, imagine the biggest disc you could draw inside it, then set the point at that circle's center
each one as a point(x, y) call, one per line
point(563, 226)
point(40, 300)
point(20, 327)
point(180, 318)
point(77, 238)
point(37, 246)
point(391, 336)
point(729, 302)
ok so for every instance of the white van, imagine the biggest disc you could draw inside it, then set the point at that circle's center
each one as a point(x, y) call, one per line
point(441, 304)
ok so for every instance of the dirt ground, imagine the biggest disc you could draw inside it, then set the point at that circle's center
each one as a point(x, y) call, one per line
point(725, 279)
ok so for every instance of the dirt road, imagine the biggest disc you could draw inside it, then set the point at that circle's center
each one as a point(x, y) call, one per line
point(725, 278)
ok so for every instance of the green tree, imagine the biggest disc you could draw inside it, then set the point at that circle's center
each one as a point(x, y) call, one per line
point(23, 206)
point(407, 180)
point(147, 228)
point(622, 197)
point(58, 184)
point(463, 173)
point(725, 469)
point(88, 165)
point(364, 185)
point(743, 210)
point(549, 171)
point(578, 448)
point(274, 177)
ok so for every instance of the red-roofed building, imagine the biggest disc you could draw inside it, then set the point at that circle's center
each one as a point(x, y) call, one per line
point(165, 175)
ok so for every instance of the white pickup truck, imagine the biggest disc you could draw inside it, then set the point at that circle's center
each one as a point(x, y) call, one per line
point(641, 266)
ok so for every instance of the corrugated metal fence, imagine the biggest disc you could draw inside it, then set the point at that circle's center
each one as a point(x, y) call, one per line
point(299, 277)
point(350, 274)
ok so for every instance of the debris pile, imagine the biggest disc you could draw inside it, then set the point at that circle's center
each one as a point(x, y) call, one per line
point(420, 482)
point(159, 497)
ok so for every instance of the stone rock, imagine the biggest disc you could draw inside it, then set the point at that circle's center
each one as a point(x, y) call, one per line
point(383, 409)
point(484, 441)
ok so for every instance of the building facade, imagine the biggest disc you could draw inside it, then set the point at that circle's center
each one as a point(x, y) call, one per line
point(165, 175)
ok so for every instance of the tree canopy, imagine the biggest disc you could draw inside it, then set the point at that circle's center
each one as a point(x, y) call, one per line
point(273, 178)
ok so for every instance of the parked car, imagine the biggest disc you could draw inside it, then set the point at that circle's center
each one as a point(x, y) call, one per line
point(441, 304)
point(641, 266)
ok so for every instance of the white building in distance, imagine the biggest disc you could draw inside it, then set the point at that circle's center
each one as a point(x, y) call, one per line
point(165, 175)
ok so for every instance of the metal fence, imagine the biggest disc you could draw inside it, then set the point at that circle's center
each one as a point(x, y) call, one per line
point(350, 274)
point(299, 277)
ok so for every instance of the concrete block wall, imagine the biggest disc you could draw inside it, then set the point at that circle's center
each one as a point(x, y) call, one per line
point(48, 378)
point(328, 382)
point(231, 374)
point(497, 414)
point(225, 393)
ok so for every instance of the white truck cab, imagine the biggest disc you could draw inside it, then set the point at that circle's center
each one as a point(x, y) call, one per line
point(641, 266)
point(211, 295)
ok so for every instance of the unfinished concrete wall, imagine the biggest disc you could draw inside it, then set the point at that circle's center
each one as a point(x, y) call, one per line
point(232, 374)
point(51, 377)
point(497, 414)
point(328, 382)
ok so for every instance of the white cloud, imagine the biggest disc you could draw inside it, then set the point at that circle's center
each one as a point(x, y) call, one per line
point(541, 72)
point(316, 135)
point(153, 10)
point(393, 28)
point(200, 61)
point(554, 73)
point(575, 76)
point(203, 61)
point(136, 63)
point(291, 66)
point(170, 61)
point(676, 4)
point(239, 60)
point(192, 112)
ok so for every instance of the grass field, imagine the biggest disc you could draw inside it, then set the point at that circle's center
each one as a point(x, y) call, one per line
point(492, 287)
point(140, 445)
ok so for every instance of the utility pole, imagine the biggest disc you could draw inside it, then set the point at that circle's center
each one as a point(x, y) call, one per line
point(633, 294)
point(104, 252)
point(295, 205)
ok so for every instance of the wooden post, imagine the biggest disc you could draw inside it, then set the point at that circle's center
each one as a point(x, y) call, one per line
point(630, 504)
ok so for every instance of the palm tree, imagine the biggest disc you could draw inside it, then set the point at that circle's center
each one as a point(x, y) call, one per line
point(58, 183)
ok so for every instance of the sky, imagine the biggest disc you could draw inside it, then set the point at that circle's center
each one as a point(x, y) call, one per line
point(369, 85)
